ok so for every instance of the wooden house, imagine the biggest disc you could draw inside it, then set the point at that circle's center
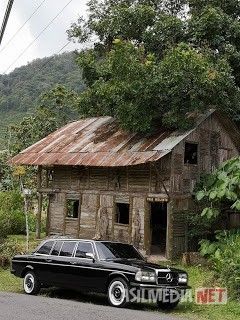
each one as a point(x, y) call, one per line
point(106, 183)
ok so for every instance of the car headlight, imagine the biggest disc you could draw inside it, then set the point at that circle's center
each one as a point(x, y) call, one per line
point(145, 276)
point(182, 278)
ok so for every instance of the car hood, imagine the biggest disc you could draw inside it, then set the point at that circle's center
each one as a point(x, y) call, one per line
point(140, 264)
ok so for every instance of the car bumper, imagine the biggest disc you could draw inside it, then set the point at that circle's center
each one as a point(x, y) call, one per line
point(155, 287)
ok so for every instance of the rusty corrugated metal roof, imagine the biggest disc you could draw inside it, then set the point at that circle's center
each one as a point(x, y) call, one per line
point(100, 142)
point(94, 142)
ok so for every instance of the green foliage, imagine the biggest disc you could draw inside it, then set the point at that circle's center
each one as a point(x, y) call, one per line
point(21, 89)
point(150, 65)
point(32, 220)
point(11, 213)
point(224, 255)
point(142, 91)
point(198, 226)
point(8, 249)
point(56, 109)
point(165, 34)
point(221, 187)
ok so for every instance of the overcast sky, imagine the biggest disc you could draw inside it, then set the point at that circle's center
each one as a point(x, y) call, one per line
point(50, 42)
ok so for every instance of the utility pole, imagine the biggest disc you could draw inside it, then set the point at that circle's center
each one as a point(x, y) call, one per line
point(5, 19)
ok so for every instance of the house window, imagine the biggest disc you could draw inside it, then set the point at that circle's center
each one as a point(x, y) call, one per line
point(72, 208)
point(191, 151)
point(49, 179)
point(122, 213)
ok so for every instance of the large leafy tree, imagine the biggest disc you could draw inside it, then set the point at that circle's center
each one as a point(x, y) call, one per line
point(151, 62)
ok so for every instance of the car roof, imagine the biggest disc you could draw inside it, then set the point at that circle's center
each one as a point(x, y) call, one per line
point(77, 239)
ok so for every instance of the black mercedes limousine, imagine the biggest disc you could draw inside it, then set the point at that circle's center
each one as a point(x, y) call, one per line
point(115, 268)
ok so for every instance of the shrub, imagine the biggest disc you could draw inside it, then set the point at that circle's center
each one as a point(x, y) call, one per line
point(12, 218)
point(32, 220)
point(8, 249)
point(224, 254)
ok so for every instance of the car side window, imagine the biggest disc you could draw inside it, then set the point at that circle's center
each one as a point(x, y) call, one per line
point(56, 248)
point(45, 248)
point(83, 248)
point(67, 249)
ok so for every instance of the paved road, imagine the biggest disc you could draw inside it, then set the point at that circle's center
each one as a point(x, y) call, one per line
point(23, 307)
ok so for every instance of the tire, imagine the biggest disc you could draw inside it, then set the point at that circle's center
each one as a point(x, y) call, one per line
point(30, 283)
point(167, 305)
point(118, 293)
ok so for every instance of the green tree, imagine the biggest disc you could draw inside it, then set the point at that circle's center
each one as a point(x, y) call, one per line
point(21, 89)
point(143, 91)
point(57, 108)
point(150, 64)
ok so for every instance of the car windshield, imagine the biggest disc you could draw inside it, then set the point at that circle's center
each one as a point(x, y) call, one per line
point(114, 250)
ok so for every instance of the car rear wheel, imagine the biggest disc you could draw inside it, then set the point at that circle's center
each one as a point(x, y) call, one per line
point(118, 293)
point(30, 283)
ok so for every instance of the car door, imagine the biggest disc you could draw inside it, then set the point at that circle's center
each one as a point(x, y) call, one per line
point(41, 261)
point(85, 272)
point(61, 262)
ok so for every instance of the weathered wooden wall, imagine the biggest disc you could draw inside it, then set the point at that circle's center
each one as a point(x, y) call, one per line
point(100, 188)
point(214, 147)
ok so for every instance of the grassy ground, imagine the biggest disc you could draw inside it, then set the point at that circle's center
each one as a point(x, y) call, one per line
point(198, 277)
point(21, 241)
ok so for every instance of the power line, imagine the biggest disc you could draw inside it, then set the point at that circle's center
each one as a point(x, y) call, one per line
point(23, 25)
point(37, 37)
point(52, 57)
point(5, 19)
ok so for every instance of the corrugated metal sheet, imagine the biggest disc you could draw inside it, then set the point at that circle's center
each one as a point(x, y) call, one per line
point(100, 142)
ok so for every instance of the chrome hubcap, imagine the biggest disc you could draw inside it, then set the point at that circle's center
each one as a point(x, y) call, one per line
point(117, 293)
point(28, 283)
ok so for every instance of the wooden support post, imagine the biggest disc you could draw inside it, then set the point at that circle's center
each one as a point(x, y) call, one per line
point(130, 219)
point(65, 209)
point(96, 214)
point(114, 212)
point(39, 215)
point(39, 178)
point(79, 215)
point(48, 226)
point(147, 235)
point(40, 199)
point(169, 240)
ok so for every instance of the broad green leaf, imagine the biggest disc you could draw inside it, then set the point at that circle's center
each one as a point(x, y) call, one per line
point(200, 195)
point(221, 193)
point(236, 205)
point(212, 248)
point(213, 194)
point(204, 212)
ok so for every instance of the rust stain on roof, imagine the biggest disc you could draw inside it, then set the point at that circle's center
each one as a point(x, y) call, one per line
point(100, 142)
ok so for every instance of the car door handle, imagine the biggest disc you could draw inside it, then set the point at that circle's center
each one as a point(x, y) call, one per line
point(73, 262)
point(49, 260)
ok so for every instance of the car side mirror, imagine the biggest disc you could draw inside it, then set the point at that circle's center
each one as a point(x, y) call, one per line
point(90, 256)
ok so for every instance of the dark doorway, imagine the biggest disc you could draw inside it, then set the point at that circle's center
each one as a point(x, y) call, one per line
point(158, 226)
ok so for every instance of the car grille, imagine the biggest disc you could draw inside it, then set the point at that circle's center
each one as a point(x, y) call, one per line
point(167, 278)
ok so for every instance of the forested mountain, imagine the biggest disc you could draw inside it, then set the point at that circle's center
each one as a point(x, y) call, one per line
point(21, 89)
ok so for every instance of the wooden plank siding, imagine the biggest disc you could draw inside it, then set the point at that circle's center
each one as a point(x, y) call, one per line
point(99, 187)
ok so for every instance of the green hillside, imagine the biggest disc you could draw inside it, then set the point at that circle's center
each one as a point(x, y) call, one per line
point(20, 90)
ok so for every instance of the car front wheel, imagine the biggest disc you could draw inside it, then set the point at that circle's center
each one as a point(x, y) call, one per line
point(30, 283)
point(118, 293)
